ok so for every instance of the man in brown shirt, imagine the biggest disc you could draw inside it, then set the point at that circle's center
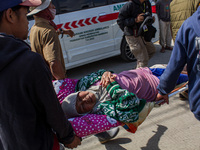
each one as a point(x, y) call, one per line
point(44, 38)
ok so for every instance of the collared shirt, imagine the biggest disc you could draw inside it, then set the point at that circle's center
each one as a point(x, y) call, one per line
point(44, 40)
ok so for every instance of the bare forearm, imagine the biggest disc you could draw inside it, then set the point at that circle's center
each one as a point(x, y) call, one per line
point(57, 70)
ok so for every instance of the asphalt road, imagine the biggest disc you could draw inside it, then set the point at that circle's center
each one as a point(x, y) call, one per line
point(169, 127)
point(117, 64)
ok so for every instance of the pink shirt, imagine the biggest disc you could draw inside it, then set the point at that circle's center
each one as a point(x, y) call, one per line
point(139, 81)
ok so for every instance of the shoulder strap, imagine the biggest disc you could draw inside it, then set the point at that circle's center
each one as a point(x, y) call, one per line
point(197, 46)
point(197, 43)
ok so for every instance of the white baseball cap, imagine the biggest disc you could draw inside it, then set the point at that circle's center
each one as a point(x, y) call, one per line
point(35, 10)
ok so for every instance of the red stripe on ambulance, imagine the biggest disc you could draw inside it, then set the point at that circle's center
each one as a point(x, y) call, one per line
point(67, 25)
point(59, 25)
point(90, 21)
point(80, 23)
point(74, 24)
point(87, 21)
point(108, 17)
point(94, 20)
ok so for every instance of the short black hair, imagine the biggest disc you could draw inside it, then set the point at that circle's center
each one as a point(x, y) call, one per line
point(15, 9)
point(1, 15)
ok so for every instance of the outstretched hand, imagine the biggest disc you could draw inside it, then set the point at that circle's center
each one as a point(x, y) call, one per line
point(69, 32)
point(65, 31)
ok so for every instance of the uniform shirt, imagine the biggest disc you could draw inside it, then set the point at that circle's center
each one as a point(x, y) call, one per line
point(44, 40)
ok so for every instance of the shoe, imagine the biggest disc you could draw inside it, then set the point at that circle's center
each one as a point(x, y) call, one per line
point(61, 147)
point(184, 95)
point(169, 48)
point(162, 50)
point(104, 137)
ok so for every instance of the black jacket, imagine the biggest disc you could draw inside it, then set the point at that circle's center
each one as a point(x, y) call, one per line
point(128, 13)
point(29, 108)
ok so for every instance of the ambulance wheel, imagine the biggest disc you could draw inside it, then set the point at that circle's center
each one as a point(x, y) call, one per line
point(125, 52)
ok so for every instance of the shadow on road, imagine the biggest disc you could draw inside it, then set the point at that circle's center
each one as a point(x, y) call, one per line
point(152, 144)
point(116, 144)
point(154, 140)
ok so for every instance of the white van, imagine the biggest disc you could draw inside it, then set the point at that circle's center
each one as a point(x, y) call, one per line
point(97, 35)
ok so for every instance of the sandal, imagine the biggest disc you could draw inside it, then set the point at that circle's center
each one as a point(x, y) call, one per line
point(162, 50)
point(169, 48)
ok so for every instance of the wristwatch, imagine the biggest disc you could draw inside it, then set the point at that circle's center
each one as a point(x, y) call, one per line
point(61, 31)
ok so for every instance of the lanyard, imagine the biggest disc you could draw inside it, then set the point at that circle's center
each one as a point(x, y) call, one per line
point(144, 7)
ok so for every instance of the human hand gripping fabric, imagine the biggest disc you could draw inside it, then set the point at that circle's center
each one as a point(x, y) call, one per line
point(107, 78)
point(162, 97)
point(75, 143)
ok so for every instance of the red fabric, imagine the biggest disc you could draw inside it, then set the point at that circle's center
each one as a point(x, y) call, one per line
point(56, 145)
point(46, 14)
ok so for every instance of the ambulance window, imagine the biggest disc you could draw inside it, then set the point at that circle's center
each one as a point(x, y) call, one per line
point(117, 1)
point(55, 3)
point(74, 5)
point(100, 2)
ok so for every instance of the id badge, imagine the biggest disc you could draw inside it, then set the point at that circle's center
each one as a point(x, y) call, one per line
point(145, 28)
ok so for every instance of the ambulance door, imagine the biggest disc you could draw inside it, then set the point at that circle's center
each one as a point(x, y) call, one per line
point(91, 23)
point(103, 38)
point(117, 32)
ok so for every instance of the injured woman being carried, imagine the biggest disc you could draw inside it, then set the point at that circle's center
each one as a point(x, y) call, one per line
point(121, 96)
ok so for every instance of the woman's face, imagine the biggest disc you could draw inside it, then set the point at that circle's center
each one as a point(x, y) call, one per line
point(85, 102)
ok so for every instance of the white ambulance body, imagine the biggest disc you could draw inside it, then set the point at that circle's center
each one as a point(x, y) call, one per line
point(97, 35)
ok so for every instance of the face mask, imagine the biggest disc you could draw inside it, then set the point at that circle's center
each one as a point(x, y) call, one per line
point(53, 12)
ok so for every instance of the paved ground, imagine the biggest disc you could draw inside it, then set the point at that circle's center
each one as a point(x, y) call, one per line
point(169, 127)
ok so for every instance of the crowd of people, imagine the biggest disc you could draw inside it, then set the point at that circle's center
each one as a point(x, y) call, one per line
point(31, 116)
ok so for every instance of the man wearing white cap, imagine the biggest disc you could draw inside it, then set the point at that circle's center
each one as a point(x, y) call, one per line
point(31, 117)
point(44, 38)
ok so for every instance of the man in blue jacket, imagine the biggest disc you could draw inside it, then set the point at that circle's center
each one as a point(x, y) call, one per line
point(186, 51)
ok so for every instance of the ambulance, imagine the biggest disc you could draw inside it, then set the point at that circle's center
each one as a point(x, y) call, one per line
point(97, 35)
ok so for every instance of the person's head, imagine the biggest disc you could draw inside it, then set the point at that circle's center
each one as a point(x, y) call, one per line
point(13, 19)
point(78, 103)
point(45, 8)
